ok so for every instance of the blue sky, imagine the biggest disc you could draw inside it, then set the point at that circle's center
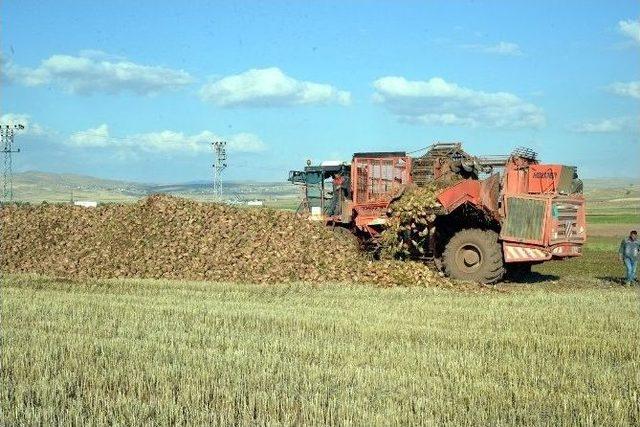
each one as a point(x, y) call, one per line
point(138, 90)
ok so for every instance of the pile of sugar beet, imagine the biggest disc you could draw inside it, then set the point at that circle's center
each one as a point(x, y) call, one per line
point(169, 237)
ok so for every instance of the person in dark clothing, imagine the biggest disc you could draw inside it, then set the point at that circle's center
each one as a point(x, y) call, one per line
point(628, 252)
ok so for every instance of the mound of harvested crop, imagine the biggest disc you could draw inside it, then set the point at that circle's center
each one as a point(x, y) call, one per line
point(410, 222)
point(169, 237)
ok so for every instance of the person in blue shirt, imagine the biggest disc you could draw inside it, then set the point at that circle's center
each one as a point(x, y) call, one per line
point(629, 249)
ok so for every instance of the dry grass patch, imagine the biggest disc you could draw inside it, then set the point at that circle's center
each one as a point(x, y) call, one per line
point(133, 352)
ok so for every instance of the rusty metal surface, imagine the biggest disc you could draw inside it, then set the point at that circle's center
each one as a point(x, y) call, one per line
point(376, 180)
point(525, 220)
point(465, 191)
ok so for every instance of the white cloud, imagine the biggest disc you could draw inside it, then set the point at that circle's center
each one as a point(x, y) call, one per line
point(245, 142)
point(30, 127)
point(177, 141)
point(100, 55)
point(604, 126)
point(95, 71)
point(166, 141)
point(502, 48)
point(631, 89)
point(437, 102)
point(270, 87)
point(96, 137)
point(631, 29)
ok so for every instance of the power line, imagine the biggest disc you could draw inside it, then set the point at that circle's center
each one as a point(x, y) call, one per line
point(220, 150)
point(7, 132)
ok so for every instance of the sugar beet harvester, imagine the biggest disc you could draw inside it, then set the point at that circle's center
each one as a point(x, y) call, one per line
point(477, 229)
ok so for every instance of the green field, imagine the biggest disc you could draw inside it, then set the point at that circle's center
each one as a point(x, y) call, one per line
point(612, 218)
point(599, 262)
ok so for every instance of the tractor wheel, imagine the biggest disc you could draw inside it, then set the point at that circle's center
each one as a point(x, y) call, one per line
point(474, 255)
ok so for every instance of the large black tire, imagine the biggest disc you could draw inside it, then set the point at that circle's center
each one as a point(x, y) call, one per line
point(474, 255)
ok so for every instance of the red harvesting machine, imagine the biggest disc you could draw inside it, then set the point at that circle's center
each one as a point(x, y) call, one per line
point(493, 215)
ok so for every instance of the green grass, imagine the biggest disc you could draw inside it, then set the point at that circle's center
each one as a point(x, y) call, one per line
point(600, 254)
point(140, 351)
point(289, 204)
point(614, 208)
point(599, 260)
point(612, 218)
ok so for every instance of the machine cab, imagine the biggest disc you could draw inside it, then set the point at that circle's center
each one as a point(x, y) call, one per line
point(339, 193)
point(326, 190)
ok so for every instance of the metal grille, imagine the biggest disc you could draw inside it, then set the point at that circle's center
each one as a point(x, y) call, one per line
point(422, 169)
point(525, 218)
point(379, 179)
point(525, 153)
point(566, 226)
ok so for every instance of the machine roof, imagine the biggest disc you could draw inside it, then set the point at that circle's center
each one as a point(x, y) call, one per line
point(376, 154)
point(330, 168)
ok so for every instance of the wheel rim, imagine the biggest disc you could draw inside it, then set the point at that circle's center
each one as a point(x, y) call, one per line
point(469, 258)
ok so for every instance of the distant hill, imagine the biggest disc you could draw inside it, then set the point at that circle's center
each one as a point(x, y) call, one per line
point(605, 189)
point(38, 186)
point(611, 182)
point(35, 187)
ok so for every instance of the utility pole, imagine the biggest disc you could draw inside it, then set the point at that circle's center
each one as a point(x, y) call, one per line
point(220, 150)
point(8, 132)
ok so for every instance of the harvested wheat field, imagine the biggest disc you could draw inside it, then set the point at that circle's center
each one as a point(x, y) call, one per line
point(173, 238)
